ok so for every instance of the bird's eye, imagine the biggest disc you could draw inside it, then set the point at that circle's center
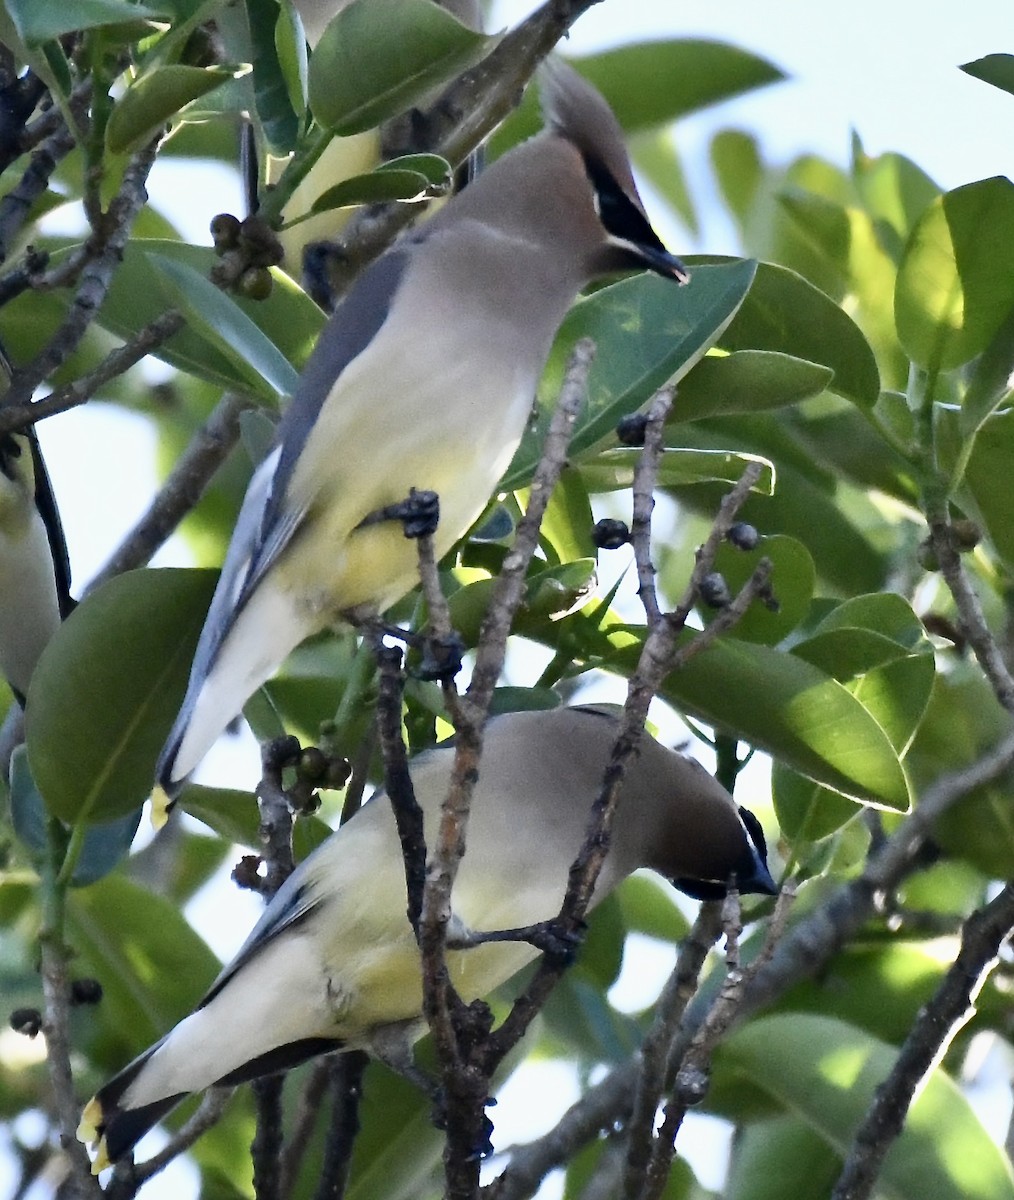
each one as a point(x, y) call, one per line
point(619, 215)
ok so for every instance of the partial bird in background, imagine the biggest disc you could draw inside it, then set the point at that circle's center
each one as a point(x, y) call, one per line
point(333, 963)
point(34, 564)
point(423, 379)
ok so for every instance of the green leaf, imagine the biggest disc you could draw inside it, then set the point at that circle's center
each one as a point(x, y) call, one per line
point(567, 524)
point(613, 469)
point(987, 478)
point(737, 164)
point(895, 192)
point(218, 318)
point(649, 908)
point(647, 333)
point(657, 160)
point(157, 98)
point(783, 1157)
point(233, 815)
point(963, 722)
point(747, 381)
point(825, 1072)
point(357, 77)
point(956, 280)
point(784, 313)
point(995, 69)
point(808, 720)
point(152, 966)
point(288, 319)
point(38, 21)
point(807, 811)
point(278, 53)
point(107, 688)
point(792, 579)
point(989, 384)
point(103, 846)
point(375, 187)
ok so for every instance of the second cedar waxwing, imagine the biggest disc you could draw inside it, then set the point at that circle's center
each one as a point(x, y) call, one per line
point(424, 379)
point(343, 156)
point(333, 963)
point(34, 567)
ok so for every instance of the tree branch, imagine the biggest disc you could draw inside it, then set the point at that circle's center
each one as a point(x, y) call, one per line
point(984, 933)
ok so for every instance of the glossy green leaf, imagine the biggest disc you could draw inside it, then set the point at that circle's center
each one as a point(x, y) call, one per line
point(879, 986)
point(379, 57)
point(612, 469)
point(989, 384)
point(289, 319)
point(397, 1148)
point(278, 53)
point(107, 688)
point(647, 332)
point(156, 99)
point(786, 314)
point(747, 381)
point(956, 280)
point(807, 719)
point(38, 21)
point(807, 811)
point(220, 321)
point(825, 1072)
point(995, 69)
point(374, 188)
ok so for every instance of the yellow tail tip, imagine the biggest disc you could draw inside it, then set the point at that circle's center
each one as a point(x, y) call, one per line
point(88, 1132)
point(161, 807)
point(91, 1119)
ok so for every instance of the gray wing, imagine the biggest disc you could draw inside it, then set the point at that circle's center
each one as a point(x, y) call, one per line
point(265, 527)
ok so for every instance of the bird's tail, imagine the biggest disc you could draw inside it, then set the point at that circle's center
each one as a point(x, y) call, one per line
point(112, 1131)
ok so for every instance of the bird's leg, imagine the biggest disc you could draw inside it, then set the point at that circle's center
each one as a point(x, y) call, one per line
point(554, 939)
point(419, 513)
point(392, 1046)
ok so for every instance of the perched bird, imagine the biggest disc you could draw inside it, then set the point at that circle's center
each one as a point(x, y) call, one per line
point(333, 962)
point(423, 379)
point(344, 156)
point(34, 567)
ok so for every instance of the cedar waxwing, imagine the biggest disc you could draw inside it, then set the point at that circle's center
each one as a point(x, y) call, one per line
point(344, 156)
point(34, 567)
point(333, 962)
point(423, 379)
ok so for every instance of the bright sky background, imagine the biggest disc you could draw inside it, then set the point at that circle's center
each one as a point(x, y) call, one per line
point(886, 69)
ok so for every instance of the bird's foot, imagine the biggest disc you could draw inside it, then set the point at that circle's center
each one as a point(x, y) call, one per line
point(441, 657)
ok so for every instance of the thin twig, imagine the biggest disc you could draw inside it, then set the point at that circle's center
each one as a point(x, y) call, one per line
point(153, 335)
point(984, 933)
point(688, 1072)
point(266, 1147)
point(105, 249)
point(304, 1121)
point(643, 502)
point(346, 1072)
point(669, 1009)
point(971, 617)
point(210, 1111)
